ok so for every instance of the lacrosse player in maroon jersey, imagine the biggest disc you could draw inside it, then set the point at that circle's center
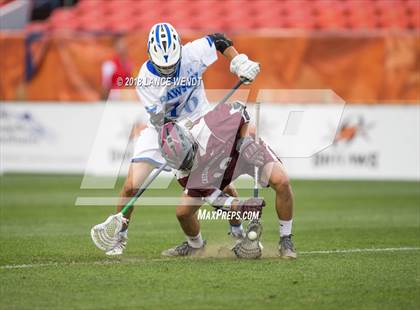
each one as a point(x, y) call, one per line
point(208, 156)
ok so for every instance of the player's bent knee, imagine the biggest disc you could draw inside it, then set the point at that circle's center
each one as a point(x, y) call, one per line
point(281, 184)
point(128, 191)
point(184, 212)
point(279, 180)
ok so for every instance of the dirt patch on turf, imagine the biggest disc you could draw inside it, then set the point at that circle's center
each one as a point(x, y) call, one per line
point(224, 251)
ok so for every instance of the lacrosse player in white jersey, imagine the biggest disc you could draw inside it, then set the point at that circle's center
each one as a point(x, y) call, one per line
point(169, 60)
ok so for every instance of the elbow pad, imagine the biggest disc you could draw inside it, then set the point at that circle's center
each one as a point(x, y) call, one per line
point(221, 42)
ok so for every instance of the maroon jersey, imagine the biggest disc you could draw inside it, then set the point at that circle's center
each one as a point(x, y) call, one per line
point(216, 161)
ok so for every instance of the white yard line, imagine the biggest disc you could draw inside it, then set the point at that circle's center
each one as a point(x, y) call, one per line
point(139, 260)
point(361, 250)
point(111, 261)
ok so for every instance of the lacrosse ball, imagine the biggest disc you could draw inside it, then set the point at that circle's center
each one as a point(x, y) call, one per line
point(252, 235)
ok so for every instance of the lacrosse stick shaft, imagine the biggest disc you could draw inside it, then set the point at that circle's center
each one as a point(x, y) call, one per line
point(142, 189)
point(224, 99)
point(257, 140)
point(230, 93)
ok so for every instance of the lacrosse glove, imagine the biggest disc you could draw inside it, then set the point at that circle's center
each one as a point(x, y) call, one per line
point(244, 68)
point(250, 151)
point(157, 119)
point(251, 205)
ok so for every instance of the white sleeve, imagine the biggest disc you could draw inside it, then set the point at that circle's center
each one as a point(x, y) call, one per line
point(204, 50)
point(148, 94)
point(150, 101)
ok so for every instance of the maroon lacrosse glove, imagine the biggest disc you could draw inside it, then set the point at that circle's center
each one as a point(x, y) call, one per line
point(251, 152)
point(251, 205)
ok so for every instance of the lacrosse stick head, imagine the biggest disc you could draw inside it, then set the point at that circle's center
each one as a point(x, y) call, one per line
point(247, 248)
point(105, 235)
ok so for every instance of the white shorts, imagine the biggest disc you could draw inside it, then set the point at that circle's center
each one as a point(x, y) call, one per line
point(146, 148)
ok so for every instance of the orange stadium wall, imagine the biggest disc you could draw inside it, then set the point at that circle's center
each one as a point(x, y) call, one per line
point(380, 68)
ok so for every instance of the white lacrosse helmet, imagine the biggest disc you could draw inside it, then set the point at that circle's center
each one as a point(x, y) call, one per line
point(164, 49)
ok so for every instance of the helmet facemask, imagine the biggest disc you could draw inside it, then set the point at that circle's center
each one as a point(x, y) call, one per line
point(177, 147)
point(188, 162)
point(169, 71)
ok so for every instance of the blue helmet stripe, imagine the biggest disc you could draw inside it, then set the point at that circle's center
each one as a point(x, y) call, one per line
point(157, 35)
point(168, 33)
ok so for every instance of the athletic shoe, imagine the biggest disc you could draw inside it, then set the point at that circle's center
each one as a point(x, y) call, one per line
point(184, 249)
point(119, 248)
point(286, 248)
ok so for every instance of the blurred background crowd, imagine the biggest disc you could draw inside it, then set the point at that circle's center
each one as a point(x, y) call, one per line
point(365, 50)
point(74, 51)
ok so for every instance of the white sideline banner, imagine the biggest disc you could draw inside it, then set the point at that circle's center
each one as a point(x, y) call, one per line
point(46, 137)
point(372, 141)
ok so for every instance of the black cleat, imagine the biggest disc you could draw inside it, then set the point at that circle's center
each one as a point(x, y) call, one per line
point(184, 249)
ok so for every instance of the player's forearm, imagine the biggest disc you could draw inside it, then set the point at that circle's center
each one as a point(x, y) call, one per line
point(230, 53)
point(223, 201)
point(220, 200)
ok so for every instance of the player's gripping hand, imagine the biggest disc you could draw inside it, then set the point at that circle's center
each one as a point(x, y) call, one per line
point(244, 68)
point(251, 152)
point(251, 205)
point(157, 119)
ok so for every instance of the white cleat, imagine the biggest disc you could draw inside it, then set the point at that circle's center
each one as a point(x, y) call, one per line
point(119, 248)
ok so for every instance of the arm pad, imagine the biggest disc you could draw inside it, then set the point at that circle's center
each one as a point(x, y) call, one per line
point(221, 42)
point(220, 200)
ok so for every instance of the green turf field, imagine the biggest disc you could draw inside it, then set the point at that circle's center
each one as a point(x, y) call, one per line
point(48, 261)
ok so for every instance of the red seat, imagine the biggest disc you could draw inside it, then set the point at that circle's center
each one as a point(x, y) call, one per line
point(238, 15)
point(37, 27)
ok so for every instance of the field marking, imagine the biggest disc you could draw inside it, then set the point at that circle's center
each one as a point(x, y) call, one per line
point(361, 250)
point(138, 260)
point(111, 261)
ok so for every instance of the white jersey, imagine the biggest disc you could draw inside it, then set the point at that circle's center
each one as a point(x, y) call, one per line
point(182, 99)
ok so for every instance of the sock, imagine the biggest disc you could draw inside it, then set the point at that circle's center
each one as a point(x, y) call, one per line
point(285, 227)
point(237, 230)
point(195, 242)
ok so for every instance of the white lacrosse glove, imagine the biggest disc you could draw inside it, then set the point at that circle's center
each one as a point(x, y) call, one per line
point(244, 68)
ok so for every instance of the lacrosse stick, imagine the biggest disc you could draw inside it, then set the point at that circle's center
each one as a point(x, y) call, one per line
point(257, 140)
point(231, 91)
point(105, 235)
point(224, 99)
point(251, 248)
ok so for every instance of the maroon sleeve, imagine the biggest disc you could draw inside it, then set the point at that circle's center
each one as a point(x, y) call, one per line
point(226, 120)
point(214, 167)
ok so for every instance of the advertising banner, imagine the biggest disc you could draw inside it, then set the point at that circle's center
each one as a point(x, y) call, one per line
point(368, 141)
